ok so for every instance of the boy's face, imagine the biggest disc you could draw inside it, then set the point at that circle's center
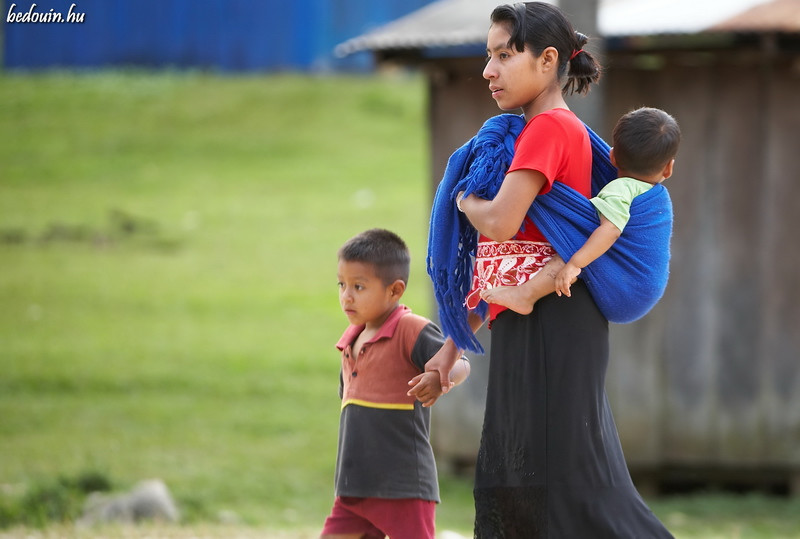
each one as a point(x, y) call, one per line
point(364, 297)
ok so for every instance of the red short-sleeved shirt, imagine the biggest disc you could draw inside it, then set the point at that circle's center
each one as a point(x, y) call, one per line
point(556, 144)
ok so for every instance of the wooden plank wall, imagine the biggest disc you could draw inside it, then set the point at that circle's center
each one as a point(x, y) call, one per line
point(728, 388)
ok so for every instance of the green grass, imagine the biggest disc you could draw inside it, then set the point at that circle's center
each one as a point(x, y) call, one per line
point(198, 349)
point(167, 283)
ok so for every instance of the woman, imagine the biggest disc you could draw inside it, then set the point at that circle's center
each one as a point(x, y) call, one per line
point(550, 462)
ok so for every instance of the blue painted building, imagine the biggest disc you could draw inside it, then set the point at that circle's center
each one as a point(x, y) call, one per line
point(226, 35)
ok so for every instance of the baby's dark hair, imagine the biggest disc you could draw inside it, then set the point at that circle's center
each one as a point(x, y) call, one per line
point(382, 249)
point(645, 140)
point(539, 25)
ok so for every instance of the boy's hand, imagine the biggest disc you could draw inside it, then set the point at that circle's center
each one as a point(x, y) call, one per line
point(427, 388)
point(442, 363)
point(564, 278)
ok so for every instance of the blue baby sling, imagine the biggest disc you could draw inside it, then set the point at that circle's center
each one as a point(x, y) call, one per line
point(626, 282)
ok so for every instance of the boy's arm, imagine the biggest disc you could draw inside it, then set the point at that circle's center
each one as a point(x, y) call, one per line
point(598, 243)
point(443, 362)
point(445, 359)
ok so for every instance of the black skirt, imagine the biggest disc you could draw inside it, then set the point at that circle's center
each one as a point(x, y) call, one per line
point(550, 463)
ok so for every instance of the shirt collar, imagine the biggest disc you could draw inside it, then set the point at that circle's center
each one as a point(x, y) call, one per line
point(386, 331)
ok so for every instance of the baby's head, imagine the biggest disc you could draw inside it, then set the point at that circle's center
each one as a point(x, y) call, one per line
point(645, 141)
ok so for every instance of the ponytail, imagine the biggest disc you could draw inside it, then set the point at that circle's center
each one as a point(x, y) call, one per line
point(583, 68)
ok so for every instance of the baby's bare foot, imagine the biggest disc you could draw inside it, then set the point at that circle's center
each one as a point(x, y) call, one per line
point(509, 296)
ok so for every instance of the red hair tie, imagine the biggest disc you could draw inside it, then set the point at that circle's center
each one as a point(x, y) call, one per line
point(575, 53)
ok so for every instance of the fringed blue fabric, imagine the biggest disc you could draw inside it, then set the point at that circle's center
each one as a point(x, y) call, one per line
point(626, 282)
point(602, 169)
point(629, 279)
point(479, 167)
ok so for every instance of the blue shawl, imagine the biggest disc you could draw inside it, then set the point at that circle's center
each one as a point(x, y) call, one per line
point(626, 282)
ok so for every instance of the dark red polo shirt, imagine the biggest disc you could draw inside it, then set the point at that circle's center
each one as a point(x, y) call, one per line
point(384, 435)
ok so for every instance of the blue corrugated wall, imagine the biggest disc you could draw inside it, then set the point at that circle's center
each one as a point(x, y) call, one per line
point(230, 35)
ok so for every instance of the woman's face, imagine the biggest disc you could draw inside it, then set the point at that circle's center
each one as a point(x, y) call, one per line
point(515, 78)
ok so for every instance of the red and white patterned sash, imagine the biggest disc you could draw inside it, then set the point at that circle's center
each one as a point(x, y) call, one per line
point(508, 263)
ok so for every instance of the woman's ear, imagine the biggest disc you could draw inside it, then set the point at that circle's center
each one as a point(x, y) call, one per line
point(549, 59)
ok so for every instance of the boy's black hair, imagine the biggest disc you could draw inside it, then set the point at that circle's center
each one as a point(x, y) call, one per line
point(645, 140)
point(382, 249)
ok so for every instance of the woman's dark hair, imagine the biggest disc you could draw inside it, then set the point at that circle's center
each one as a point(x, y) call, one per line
point(645, 140)
point(382, 249)
point(538, 25)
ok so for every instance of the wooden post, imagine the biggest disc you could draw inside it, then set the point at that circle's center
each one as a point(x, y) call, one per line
point(583, 16)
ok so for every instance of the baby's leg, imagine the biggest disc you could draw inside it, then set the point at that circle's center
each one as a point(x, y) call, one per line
point(521, 298)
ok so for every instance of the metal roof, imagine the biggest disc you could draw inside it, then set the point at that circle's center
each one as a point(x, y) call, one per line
point(618, 18)
point(448, 23)
point(445, 23)
point(777, 16)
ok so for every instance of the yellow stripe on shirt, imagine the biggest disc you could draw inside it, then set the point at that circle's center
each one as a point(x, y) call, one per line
point(381, 405)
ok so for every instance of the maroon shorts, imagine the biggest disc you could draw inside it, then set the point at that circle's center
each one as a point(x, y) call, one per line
point(405, 518)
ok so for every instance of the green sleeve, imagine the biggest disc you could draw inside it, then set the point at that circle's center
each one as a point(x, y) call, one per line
point(614, 201)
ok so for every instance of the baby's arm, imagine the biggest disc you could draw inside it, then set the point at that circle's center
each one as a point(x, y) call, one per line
point(596, 245)
point(427, 386)
point(444, 360)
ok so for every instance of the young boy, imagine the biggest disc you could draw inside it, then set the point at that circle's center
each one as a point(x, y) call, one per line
point(386, 481)
point(645, 142)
